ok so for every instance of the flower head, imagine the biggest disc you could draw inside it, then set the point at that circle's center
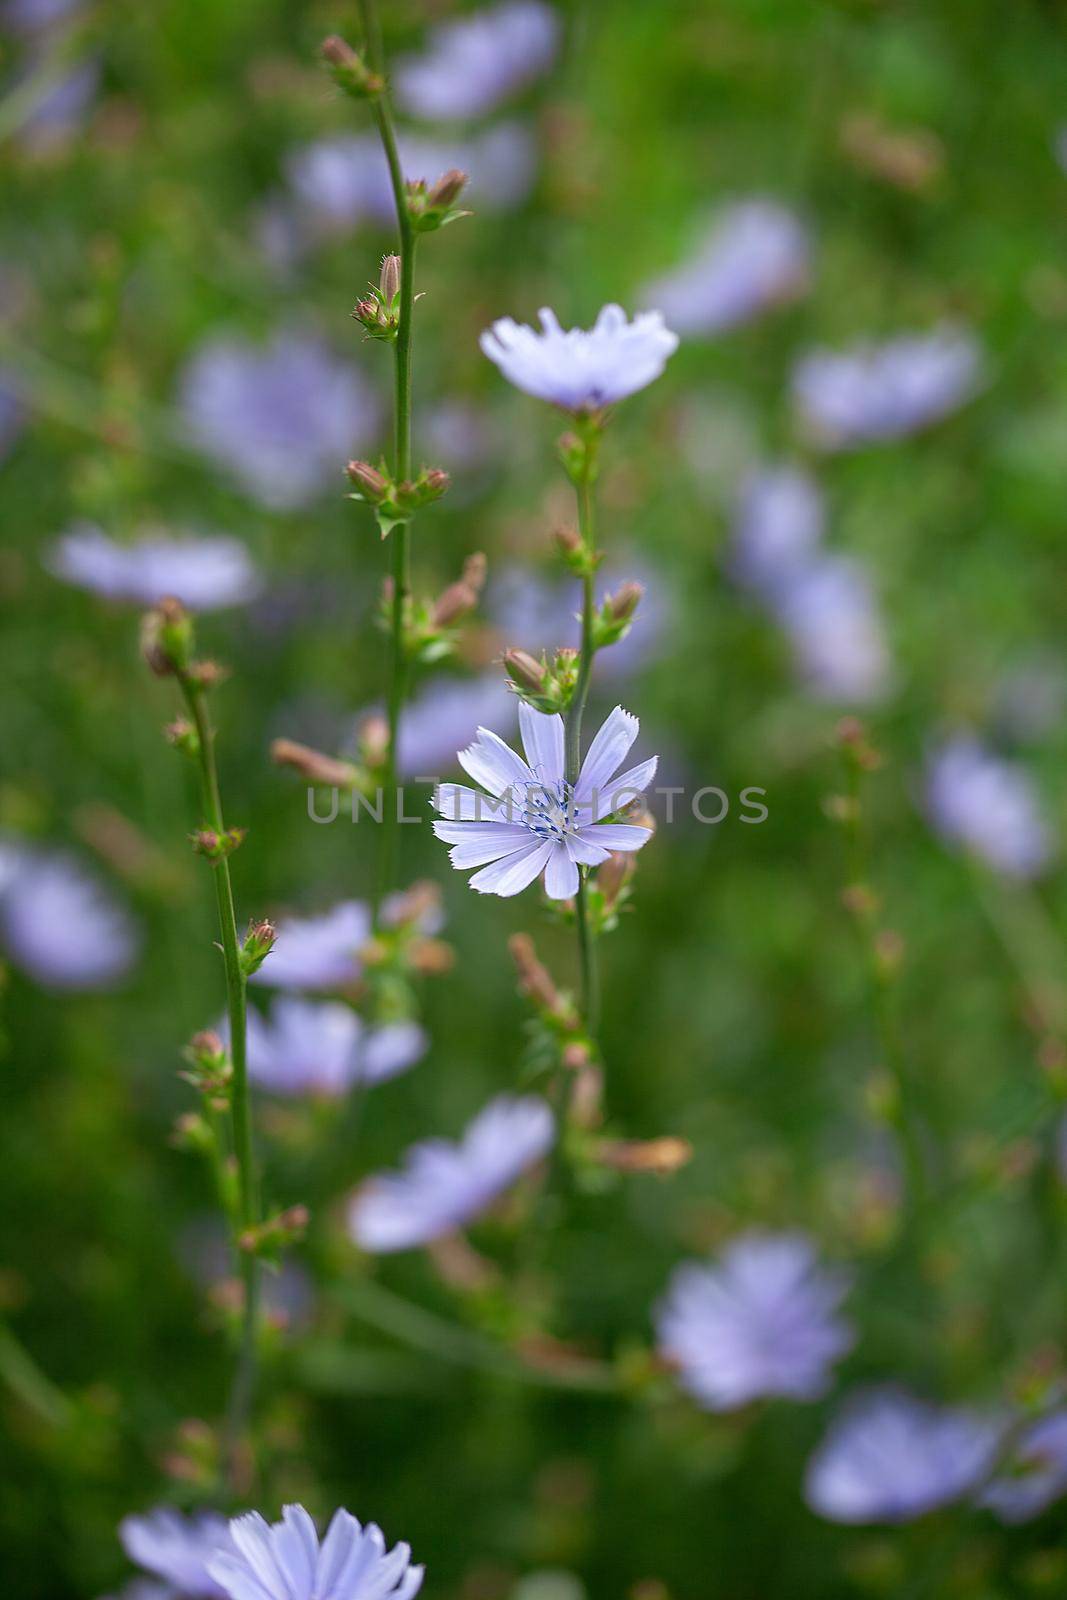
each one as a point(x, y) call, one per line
point(531, 820)
point(889, 1457)
point(989, 806)
point(477, 62)
point(279, 417)
point(578, 370)
point(777, 529)
point(177, 1549)
point(317, 952)
point(885, 391)
point(321, 1047)
point(831, 617)
point(762, 1322)
point(60, 925)
point(204, 574)
point(755, 255)
point(285, 1561)
point(442, 1186)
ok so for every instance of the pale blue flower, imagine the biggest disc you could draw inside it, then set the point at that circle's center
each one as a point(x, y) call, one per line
point(442, 1186)
point(60, 925)
point(177, 1548)
point(476, 62)
point(579, 370)
point(318, 952)
point(445, 715)
point(322, 1047)
point(761, 1322)
point(831, 617)
point(885, 391)
point(282, 417)
point(1035, 1476)
point(204, 574)
point(755, 255)
point(531, 820)
point(777, 530)
point(285, 1561)
point(988, 805)
point(889, 1457)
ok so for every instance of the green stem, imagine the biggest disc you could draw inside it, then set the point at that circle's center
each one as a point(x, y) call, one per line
point(587, 959)
point(398, 665)
point(240, 1098)
point(587, 953)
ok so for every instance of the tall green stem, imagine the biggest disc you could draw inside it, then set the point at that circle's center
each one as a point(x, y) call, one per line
point(240, 1099)
point(587, 953)
point(398, 665)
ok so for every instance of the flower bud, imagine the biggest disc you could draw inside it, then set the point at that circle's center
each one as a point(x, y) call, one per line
point(370, 484)
point(350, 71)
point(613, 875)
point(167, 637)
point(461, 597)
point(374, 740)
point(661, 1156)
point(431, 208)
point(259, 942)
point(217, 846)
point(431, 957)
point(448, 188)
point(569, 540)
point(624, 602)
point(436, 480)
point(524, 670)
point(313, 765)
point(389, 279)
point(183, 736)
point(535, 980)
point(206, 674)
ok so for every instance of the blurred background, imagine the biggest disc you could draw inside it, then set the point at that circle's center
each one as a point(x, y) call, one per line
point(846, 497)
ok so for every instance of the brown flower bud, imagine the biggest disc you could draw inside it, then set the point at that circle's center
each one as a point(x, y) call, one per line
point(663, 1156)
point(389, 279)
point(436, 480)
point(368, 480)
point(206, 674)
point(313, 765)
point(524, 670)
point(349, 69)
point(448, 188)
point(535, 980)
point(569, 540)
point(614, 873)
point(461, 597)
point(338, 52)
point(431, 957)
point(624, 602)
point(374, 740)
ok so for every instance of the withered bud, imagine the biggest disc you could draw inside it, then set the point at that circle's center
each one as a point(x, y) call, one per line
point(389, 279)
point(206, 674)
point(206, 1043)
point(448, 188)
point(436, 479)
point(338, 52)
point(368, 480)
point(474, 570)
point(313, 764)
point(524, 670)
point(614, 874)
point(349, 69)
point(624, 602)
point(461, 597)
point(166, 637)
point(576, 1055)
point(431, 957)
point(568, 539)
point(374, 740)
point(535, 980)
point(663, 1156)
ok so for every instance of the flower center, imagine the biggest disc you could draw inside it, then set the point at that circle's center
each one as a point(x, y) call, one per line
point(549, 810)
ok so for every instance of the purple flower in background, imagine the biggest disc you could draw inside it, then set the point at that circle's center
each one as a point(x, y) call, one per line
point(762, 1322)
point(889, 1457)
point(579, 370)
point(59, 924)
point(12, 411)
point(445, 715)
point(778, 528)
point(204, 574)
point(177, 1549)
point(287, 1294)
point(61, 107)
point(321, 1047)
point(343, 181)
point(29, 16)
point(989, 806)
point(442, 1186)
point(755, 255)
point(538, 614)
point(885, 391)
point(458, 435)
point(285, 1561)
point(532, 821)
point(1036, 1474)
point(318, 952)
point(477, 62)
point(831, 618)
point(282, 418)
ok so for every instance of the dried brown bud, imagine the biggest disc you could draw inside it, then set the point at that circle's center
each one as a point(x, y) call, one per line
point(615, 872)
point(569, 540)
point(389, 279)
point(313, 765)
point(624, 602)
point(663, 1156)
point(374, 740)
point(206, 1043)
point(576, 1055)
point(368, 480)
point(432, 957)
point(338, 52)
point(460, 1266)
point(535, 980)
point(206, 674)
point(448, 188)
point(460, 597)
point(524, 670)
point(349, 69)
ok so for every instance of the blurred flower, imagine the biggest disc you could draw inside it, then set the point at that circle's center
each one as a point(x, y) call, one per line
point(889, 1457)
point(177, 1549)
point(60, 107)
point(445, 715)
point(27, 16)
point(12, 411)
point(340, 182)
point(763, 1322)
point(323, 1048)
point(1035, 1475)
point(535, 821)
point(287, 1292)
point(443, 1186)
point(317, 952)
point(283, 418)
point(285, 1561)
point(831, 618)
point(538, 614)
point(580, 370)
point(459, 435)
point(475, 63)
point(885, 391)
point(988, 805)
point(778, 527)
point(204, 574)
point(755, 255)
point(59, 925)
